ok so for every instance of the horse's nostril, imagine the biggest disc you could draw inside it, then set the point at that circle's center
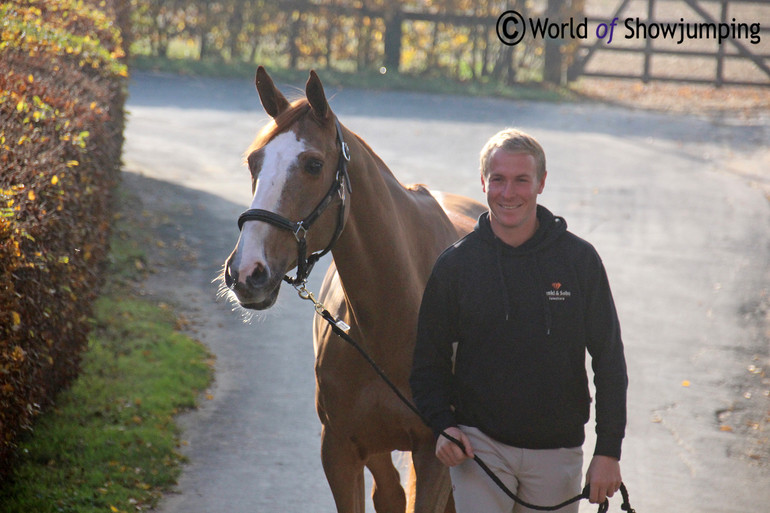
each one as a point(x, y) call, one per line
point(258, 276)
point(231, 276)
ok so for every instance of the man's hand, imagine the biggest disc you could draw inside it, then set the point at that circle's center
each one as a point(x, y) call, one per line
point(604, 477)
point(448, 452)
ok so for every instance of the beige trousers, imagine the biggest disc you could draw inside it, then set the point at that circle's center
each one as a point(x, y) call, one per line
point(544, 477)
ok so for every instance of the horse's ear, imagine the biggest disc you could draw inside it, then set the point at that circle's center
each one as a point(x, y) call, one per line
point(272, 99)
point(314, 91)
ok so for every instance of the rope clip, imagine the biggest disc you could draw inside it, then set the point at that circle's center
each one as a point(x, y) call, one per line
point(320, 309)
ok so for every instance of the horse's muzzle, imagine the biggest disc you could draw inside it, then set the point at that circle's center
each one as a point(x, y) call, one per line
point(256, 291)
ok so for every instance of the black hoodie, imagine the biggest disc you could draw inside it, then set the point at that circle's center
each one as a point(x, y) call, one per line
point(522, 318)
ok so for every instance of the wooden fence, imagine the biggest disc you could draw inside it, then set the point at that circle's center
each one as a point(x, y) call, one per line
point(440, 39)
point(741, 58)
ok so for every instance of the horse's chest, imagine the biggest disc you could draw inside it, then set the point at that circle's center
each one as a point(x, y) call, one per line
point(342, 374)
point(351, 397)
point(364, 413)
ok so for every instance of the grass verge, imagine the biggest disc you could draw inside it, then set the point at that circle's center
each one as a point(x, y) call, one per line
point(370, 79)
point(110, 442)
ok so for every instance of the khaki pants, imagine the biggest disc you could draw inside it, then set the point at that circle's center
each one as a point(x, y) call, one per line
point(540, 477)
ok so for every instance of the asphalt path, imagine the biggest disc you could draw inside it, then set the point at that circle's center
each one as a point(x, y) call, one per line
point(676, 205)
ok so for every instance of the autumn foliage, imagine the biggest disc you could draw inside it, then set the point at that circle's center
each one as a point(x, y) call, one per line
point(62, 83)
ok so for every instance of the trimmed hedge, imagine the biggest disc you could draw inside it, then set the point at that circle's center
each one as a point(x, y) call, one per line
point(62, 91)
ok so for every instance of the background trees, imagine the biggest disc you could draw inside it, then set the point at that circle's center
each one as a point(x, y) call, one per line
point(452, 38)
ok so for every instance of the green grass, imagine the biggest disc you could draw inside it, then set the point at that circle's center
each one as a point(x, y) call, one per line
point(370, 79)
point(110, 442)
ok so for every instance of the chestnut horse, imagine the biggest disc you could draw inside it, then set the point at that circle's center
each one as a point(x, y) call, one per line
point(384, 239)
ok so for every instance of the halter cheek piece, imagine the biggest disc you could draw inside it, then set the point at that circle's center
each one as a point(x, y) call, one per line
point(300, 228)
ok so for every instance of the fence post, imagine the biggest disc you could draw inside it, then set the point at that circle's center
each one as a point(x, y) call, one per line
point(648, 42)
point(296, 17)
point(393, 35)
point(552, 62)
point(719, 81)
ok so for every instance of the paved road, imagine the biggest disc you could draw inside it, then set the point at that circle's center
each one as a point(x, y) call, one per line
point(677, 207)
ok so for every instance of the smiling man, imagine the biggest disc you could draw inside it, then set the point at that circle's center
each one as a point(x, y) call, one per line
point(512, 182)
point(523, 299)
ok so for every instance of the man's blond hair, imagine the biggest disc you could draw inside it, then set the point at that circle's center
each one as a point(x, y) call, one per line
point(513, 141)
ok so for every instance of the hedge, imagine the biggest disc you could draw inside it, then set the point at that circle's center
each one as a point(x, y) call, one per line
point(62, 92)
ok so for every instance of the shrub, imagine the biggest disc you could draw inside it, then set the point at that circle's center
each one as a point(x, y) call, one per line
point(61, 123)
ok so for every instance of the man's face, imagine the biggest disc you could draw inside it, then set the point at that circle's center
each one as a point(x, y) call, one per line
point(512, 187)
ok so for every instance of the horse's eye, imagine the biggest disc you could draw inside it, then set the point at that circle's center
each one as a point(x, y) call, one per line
point(314, 166)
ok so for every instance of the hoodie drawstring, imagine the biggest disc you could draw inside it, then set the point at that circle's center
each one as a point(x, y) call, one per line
point(551, 227)
point(546, 306)
point(503, 285)
point(506, 297)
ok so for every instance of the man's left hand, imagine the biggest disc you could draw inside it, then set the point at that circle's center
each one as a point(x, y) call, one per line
point(604, 477)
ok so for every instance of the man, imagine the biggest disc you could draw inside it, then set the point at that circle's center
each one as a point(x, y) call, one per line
point(507, 316)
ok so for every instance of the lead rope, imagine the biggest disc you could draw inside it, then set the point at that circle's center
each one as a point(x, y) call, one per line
point(341, 328)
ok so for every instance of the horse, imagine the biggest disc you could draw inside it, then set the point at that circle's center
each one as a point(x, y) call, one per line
point(384, 238)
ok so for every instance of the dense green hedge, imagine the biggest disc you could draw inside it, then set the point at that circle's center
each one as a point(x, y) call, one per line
point(62, 91)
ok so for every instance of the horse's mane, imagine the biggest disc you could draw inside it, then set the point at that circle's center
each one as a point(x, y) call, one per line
point(278, 125)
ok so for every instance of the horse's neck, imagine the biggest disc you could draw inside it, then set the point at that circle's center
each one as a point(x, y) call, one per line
point(375, 234)
point(381, 259)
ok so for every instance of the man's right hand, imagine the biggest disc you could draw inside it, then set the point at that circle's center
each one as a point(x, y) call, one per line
point(448, 452)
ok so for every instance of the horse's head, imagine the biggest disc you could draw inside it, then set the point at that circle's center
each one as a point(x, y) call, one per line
point(299, 181)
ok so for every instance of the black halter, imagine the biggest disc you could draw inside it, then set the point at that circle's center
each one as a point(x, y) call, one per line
point(300, 228)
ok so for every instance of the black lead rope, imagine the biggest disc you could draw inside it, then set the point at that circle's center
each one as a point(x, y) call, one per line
point(340, 327)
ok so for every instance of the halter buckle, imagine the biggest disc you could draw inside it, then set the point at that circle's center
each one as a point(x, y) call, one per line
point(300, 227)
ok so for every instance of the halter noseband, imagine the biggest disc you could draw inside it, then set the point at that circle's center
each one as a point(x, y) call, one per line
point(300, 228)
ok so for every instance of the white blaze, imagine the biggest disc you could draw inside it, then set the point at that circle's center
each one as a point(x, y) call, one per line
point(279, 155)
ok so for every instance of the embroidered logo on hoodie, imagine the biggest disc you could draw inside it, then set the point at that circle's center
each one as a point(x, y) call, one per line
point(556, 293)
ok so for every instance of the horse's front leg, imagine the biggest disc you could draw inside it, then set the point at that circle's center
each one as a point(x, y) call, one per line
point(344, 471)
point(433, 485)
point(387, 493)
